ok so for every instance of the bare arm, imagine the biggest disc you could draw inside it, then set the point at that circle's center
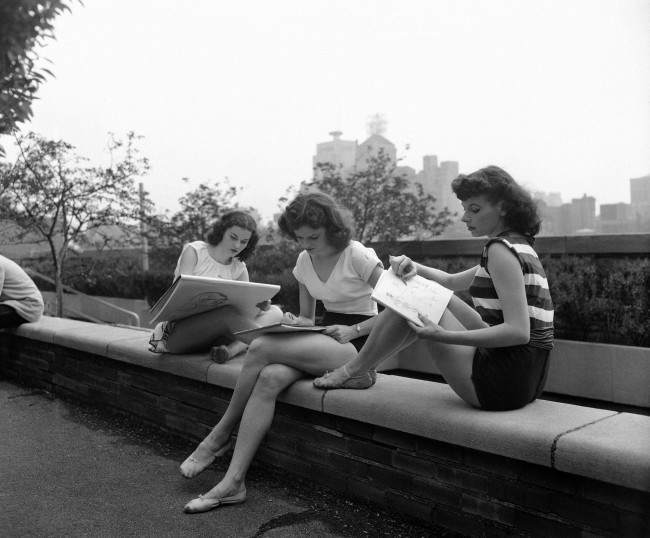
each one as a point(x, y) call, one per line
point(244, 275)
point(453, 281)
point(406, 268)
point(345, 333)
point(187, 262)
point(508, 281)
point(307, 308)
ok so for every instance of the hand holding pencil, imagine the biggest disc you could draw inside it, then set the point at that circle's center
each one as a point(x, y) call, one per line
point(403, 266)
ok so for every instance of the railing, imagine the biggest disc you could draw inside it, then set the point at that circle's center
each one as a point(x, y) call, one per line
point(131, 317)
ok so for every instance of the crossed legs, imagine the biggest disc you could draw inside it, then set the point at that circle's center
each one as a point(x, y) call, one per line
point(261, 379)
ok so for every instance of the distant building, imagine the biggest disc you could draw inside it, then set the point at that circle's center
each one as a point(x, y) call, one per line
point(371, 147)
point(582, 214)
point(640, 200)
point(341, 153)
point(615, 218)
point(436, 180)
point(435, 177)
point(550, 199)
point(578, 216)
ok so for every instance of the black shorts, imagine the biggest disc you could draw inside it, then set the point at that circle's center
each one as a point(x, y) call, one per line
point(509, 377)
point(337, 318)
point(9, 317)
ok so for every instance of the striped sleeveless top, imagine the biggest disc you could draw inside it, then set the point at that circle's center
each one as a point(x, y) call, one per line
point(540, 304)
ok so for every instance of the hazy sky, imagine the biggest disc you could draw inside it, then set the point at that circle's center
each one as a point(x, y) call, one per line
point(557, 92)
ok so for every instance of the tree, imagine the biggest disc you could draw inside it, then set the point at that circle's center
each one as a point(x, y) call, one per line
point(24, 26)
point(385, 205)
point(51, 190)
point(200, 208)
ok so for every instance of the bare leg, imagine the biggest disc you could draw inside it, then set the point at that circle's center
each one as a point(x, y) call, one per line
point(468, 317)
point(255, 423)
point(391, 334)
point(197, 333)
point(310, 353)
point(455, 362)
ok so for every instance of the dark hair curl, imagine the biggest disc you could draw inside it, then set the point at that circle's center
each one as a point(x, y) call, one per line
point(316, 210)
point(521, 214)
point(235, 218)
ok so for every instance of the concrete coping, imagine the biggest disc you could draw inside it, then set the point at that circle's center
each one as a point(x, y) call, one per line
point(605, 445)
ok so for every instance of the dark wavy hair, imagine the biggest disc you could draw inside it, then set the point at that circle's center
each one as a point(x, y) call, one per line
point(521, 214)
point(316, 210)
point(235, 218)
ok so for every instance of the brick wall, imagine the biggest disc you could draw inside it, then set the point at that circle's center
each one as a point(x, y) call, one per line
point(466, 490)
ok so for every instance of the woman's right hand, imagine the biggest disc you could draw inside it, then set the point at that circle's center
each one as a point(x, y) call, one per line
point(289, 319)
point(403, 266)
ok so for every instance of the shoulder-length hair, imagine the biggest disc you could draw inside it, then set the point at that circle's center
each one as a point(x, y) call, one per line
point(520, 210)
point(235, 218)
point(318, 210)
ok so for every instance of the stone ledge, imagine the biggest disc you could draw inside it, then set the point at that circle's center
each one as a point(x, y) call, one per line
point(594, 443)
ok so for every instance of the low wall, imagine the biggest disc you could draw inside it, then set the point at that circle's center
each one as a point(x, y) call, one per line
point(412, 446)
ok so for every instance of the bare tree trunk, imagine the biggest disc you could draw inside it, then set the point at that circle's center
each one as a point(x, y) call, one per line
point(59, 290)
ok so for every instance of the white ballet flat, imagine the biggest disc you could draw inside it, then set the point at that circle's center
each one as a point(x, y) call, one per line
point(194, 466)
point(205, 504)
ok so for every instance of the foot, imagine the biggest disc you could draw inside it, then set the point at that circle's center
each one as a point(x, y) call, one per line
point(199, 460)
point(221, 354)
point(211, 500)
point(342, 379)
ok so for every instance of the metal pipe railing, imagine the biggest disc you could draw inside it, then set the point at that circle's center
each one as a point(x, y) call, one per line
point(135, 318)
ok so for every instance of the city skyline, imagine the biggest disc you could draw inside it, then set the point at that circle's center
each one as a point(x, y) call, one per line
point(554, 93)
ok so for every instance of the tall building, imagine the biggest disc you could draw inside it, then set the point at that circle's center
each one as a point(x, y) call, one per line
point(583, 214)
point(371, 147)
point(640, 199)
point(578, 216)
point(341, 153)
point(615, 218)
point(436, 180)
point(435, 177)
point(551, 199)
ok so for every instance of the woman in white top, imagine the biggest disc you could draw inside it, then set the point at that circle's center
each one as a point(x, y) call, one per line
point(20, 300)
point(231, 241)
point(332, 268)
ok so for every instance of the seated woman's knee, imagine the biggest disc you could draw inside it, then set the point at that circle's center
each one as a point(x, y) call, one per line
point(274, 378)
point(261, 350)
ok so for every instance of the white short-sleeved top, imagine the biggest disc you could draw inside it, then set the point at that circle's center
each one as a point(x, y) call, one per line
point(346, 290)
point(206, 265)
point(18, 291)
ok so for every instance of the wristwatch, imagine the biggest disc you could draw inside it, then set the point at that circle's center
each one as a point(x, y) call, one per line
point(358, 329)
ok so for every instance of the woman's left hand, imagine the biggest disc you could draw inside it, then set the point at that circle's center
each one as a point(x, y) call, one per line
point(429, 330)
point(340, 333)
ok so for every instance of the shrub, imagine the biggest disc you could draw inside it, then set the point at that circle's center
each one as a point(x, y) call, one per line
point(597, 299)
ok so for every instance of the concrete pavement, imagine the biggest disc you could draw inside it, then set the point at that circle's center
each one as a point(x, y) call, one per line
point(68, 469)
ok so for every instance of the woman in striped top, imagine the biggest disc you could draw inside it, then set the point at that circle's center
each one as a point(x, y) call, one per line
point(495, 355)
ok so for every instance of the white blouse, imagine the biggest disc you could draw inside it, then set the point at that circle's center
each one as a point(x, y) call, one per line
point(206, 265)
point(346, 290)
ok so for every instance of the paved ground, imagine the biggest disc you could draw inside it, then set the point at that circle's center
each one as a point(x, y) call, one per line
point(72, 470)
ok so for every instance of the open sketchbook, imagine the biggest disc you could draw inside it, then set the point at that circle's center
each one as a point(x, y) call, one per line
point(190, 295)
point(281, 328)
point(413, 296)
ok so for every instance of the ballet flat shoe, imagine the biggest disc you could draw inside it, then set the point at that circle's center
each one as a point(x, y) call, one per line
point(192, 466)
point(204, 504)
